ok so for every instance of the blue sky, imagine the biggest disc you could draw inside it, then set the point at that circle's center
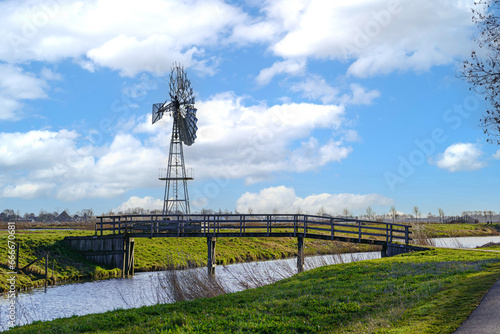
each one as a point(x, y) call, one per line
point(302, 105)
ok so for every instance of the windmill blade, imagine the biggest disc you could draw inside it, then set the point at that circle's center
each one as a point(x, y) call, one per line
point(159, 109)
point(188, 126)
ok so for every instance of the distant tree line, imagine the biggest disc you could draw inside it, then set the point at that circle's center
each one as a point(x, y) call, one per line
point(48, 217)
point(393, 215)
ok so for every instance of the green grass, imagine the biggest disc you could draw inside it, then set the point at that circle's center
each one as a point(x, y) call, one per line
point(68, 264)
point(159, 253)
point(426, 292)
point(150, 254)
point(491, 246)
point(496, 248)
point(459, 230)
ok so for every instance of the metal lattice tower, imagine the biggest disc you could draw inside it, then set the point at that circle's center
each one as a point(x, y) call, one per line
point(176, 198)
point(181, 108)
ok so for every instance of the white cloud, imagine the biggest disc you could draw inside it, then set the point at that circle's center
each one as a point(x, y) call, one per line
point(461, 157)
point(28, 190)
point(134, 202)
point(117, 34)
point(57, 164)
point(293, 67)
point(235, 142)
point(379, 36)
point(359, 95)
point(35, 149)
point(284, 199)
point(316, 88)
point(17, 86)
point(252, 142)
point(496, 155)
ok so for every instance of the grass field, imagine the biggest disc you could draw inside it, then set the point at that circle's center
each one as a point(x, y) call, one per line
point(426, 292)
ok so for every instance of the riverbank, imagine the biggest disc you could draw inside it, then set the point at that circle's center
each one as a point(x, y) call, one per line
point(150, 255)
point(426, 292)
point(175, 253)
point(432, 230)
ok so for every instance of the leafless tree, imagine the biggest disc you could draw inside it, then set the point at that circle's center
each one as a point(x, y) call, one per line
point(346, 213)
point(321, 212)
point(370, 213)
point(441, 215)
point(393, 213)
point(482, 70)
point(416, 211)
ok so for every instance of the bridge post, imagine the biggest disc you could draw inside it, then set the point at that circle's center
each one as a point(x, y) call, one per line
point(384, 251)
point(300, 254)
point(128, 261)
point(211, 255)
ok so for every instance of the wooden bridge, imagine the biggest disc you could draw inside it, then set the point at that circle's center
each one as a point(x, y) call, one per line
point(394, 238)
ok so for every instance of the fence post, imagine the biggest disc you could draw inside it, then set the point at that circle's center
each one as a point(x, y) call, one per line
point(406, 235)
point(359, 230)
point(46, 264)
point(333, 229)
point(294, 225)
point(300, 254)
point(17, 255)
point(268, 223)
point(211, 255)
point(305, 225)
point(241, 225)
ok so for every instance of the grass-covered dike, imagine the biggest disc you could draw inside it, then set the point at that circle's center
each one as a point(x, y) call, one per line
point(426, 292)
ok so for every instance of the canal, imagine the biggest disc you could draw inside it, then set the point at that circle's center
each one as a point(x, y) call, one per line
point(80, 298)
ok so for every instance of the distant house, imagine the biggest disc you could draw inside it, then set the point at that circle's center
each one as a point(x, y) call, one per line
point(64, 217)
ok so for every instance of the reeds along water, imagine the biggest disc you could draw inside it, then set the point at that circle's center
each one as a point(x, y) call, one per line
point(192, 283)
point(419, 235)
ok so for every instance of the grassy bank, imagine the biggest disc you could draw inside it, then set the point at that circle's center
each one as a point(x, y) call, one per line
point(169, 253)
point(67, 263)
point(150, 254)
point(427, 292)
point(457, 230)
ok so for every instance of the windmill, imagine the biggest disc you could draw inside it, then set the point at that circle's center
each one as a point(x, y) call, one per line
point(181, 109)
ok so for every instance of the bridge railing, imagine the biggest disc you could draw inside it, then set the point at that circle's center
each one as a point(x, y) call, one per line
point(242, 225)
